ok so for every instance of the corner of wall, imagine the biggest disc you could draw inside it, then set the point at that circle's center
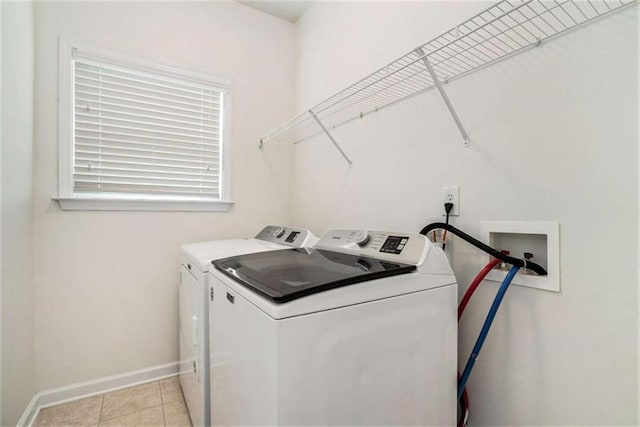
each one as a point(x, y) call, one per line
point(17, 337)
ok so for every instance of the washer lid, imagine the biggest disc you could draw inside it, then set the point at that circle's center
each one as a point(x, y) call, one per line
point(287, 274)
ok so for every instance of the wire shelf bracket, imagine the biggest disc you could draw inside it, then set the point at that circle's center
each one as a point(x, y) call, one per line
point(326, 131)
point(445, 98)
point(499, 32)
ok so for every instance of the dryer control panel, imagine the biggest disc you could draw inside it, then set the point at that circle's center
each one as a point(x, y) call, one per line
point(288, 236)
point(409, 248)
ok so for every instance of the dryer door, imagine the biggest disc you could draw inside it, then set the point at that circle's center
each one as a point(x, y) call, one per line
point(190, 331)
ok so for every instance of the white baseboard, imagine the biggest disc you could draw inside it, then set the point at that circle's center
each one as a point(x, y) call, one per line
point(56, 396)
point(29, 414)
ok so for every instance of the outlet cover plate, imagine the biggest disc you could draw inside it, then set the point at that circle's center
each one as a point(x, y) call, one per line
point(451, 193)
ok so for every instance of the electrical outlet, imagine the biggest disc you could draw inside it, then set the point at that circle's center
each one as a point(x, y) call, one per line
point(451, 194)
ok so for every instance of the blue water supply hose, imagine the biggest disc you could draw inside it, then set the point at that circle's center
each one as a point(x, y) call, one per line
point(485, 329)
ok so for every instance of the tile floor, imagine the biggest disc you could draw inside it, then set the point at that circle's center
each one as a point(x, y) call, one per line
point(158, 403)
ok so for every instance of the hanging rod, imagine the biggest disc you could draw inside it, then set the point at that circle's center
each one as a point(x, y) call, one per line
point(498, 32)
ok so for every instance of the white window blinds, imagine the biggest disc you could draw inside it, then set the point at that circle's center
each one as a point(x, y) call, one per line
point(145, 134)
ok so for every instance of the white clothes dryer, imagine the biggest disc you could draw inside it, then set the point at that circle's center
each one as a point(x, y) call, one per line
point(359, 330)
point(193, 309)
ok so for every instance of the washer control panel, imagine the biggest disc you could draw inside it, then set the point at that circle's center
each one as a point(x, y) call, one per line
point(394, 244)
point(289, 236)
point(409, 248)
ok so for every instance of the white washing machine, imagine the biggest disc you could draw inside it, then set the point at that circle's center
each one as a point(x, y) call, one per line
point(359, 330)
point(193, 294)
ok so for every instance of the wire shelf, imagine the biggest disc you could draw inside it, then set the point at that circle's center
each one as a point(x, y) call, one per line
point(502, 30)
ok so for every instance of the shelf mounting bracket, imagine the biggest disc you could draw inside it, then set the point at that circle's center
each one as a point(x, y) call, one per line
point(445, 98)
point(326, 131)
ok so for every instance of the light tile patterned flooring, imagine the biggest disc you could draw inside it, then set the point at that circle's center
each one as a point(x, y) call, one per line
point(158, 403)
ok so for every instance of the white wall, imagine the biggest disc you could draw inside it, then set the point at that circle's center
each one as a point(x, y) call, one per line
point(18, 380)
point(1, 215)
point(106, 282)
point(554, 136)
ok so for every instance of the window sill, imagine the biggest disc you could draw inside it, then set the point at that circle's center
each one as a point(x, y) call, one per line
point(130, 204)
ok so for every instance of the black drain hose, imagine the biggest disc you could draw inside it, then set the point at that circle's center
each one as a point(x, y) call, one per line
point(486, 248)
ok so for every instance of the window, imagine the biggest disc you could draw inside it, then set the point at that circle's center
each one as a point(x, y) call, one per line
point(136, 135)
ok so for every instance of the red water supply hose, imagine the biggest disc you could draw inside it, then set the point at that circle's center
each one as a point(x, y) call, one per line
point(464, 406)
point(474, 285)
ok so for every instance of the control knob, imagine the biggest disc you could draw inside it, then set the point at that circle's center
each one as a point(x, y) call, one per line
point(279, 232)
point(361, 238)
